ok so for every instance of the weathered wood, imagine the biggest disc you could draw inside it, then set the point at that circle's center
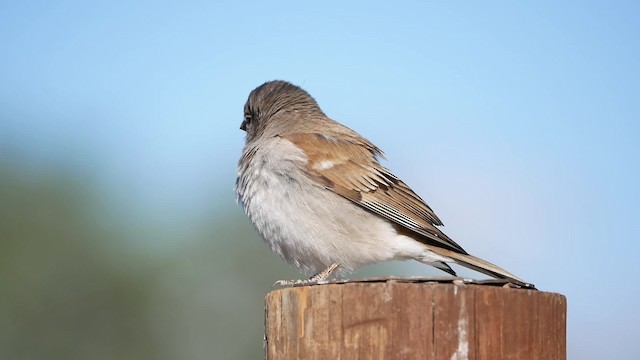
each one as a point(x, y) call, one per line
point(414, 320)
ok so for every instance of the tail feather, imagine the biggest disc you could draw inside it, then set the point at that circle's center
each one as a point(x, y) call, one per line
point(444, 267)
point(480, 265)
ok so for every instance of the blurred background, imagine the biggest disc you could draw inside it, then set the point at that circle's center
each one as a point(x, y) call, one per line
point(119, 233)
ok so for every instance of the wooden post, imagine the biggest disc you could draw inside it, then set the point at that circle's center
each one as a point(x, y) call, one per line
point(414, 319)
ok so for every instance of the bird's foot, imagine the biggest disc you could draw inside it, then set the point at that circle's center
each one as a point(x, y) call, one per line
point(316, 279)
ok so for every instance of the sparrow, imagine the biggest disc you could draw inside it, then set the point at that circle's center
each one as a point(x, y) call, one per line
point(317, 194)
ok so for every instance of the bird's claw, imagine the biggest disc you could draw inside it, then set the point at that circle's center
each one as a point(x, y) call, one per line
point(298, 282)
point(319, 278)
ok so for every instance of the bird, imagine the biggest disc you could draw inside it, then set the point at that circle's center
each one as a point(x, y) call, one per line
point(317, 194)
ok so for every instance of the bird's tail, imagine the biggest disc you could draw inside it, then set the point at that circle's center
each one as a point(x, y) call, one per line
point(482, 266)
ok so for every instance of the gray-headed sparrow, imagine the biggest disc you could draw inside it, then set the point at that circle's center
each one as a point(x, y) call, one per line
point(318, 196)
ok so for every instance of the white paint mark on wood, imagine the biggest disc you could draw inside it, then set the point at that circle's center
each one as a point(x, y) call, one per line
point(462, 352)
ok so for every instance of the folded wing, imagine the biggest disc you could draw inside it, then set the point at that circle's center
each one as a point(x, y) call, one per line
point(349, 167)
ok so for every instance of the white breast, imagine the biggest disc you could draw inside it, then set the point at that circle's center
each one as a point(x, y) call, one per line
point(308, 226)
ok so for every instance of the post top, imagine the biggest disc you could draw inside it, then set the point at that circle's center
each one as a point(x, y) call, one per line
point(433, 280)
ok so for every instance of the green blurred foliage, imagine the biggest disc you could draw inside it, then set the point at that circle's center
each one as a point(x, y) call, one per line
point(74, 287)
point(63, 293)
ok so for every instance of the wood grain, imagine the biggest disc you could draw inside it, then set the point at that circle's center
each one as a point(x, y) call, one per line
point(395, 320)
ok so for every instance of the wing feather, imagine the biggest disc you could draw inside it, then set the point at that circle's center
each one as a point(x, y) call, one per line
point(349, 167)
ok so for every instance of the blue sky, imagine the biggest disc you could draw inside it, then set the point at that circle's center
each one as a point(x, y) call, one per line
point(517, 121)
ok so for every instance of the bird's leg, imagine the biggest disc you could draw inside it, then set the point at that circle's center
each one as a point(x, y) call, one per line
point(321, 276)
point(324, 274)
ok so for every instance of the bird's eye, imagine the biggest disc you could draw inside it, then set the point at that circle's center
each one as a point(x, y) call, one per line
point(246, 121)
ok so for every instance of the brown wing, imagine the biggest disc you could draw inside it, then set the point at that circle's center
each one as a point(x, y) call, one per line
point(350, 168)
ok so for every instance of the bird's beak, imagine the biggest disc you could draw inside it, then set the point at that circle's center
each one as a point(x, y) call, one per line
point(243, 126)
